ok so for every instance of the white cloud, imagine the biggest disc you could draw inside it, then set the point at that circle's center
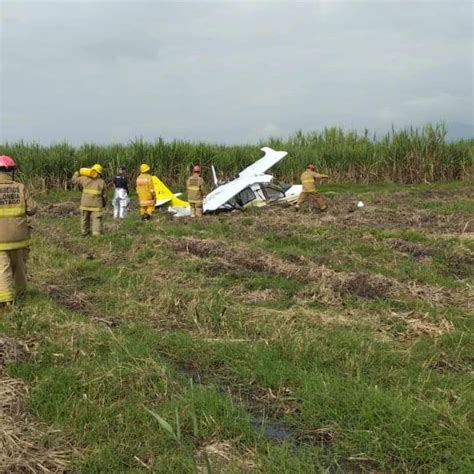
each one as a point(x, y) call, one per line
point(230, 71)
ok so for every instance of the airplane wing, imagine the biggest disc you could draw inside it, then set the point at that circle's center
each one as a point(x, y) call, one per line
point(270, 159)
point(160, 202)
point(226, 192)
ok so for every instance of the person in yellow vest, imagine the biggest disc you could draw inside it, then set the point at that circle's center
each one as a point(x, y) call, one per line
point(93, 200)
point(195, 190)
point(15, 205)
point(308, 180)
point(146, 192)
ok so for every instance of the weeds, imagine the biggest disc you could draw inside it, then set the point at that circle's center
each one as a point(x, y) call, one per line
point(405, 156)
point(180, 346)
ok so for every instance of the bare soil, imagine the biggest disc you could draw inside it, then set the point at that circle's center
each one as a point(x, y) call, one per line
point(61, 209)
point(414, 249)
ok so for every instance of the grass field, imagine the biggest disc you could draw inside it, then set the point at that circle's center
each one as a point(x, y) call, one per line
point(262, 341)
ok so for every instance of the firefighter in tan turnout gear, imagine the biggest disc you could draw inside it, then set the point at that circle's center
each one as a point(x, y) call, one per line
point(308, 180)
point(195, 190)
point(93, 198)
point(146, 192)
point(15, 205)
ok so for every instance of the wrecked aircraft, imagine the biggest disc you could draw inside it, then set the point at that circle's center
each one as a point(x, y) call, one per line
point(251, 187)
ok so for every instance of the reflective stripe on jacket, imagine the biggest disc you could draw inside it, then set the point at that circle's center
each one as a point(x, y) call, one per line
point(145, 190)
point(7, 296)
point(195, 188)
point(307, 180)
point(93, 192)
point(15, 205)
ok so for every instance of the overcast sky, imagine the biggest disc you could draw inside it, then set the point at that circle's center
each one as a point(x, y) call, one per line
point(231, 71)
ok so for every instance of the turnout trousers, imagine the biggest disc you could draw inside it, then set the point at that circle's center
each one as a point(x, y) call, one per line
point(147, 210)
point(196, 208)
point(311, 196)
point(12, 273)
point(91, 221)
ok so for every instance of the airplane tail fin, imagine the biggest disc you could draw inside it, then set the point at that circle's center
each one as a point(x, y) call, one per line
point(163, 192)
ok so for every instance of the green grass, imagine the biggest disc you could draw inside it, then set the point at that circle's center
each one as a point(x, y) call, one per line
point(459, 205)
point(196, 360)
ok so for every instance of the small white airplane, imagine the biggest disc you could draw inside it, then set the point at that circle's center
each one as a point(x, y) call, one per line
point(251, 187)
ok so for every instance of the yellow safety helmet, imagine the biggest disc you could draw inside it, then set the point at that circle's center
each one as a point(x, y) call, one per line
point(144, 168)
point(98, 168)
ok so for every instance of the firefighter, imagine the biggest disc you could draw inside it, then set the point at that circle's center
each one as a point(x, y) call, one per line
point(195, 189)
point(93, 200)
point(146, 192)
point(121, 199)
point(308, 180)
point(15, 205)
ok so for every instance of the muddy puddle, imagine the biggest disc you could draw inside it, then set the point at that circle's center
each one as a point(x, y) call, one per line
point(271, 429)
point(276, 431)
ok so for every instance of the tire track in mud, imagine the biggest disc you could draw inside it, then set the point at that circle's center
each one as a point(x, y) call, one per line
point(361, 284)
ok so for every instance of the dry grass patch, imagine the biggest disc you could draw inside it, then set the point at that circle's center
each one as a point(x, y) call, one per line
point(330, 282)
point(214, 455)
point(411, 248)
point(70, 298)
point(265, 402)
point(293, 323)
point(12, 350)
point(415, 325)
point(24, 443)
point(260, 296)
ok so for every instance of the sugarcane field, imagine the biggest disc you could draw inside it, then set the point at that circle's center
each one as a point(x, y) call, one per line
point(200, 273)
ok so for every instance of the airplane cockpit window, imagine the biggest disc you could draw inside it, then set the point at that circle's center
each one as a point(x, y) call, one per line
point(272, 192)
point(244, 197)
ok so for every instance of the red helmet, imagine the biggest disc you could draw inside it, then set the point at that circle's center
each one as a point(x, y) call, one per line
point(310, 166)
point(196, 169)
point(8, 163)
